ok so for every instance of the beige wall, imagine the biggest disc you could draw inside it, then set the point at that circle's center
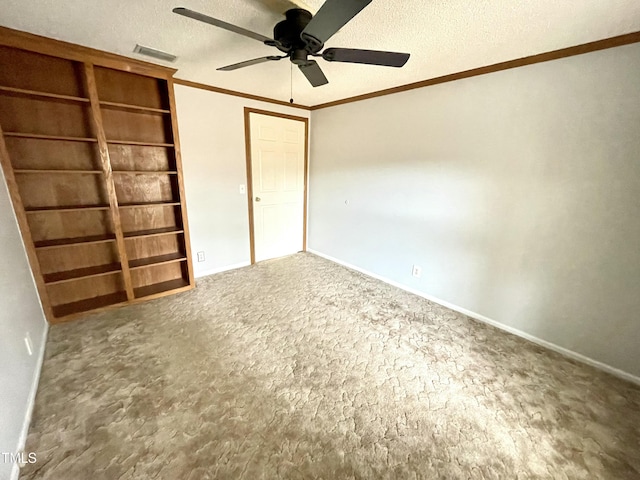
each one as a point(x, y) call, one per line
point(518, 193)
point(20, 314)
point(214, 164)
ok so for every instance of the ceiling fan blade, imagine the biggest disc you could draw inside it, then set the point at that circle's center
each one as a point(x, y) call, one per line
point(314, 74)
point(185, 12)
point(248, 63)
point(331, 17)
point(369, 57)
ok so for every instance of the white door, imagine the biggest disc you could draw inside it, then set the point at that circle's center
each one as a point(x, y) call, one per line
point(277, 171)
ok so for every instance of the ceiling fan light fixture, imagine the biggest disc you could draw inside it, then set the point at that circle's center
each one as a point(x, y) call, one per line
point(154, 53)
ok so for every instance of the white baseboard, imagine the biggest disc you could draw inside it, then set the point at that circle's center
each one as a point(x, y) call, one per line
point(22, 440)
point(222, 269)
point(15, 472)
point(551, 346)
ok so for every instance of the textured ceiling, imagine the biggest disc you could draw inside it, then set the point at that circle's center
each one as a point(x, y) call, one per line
point(442, 36)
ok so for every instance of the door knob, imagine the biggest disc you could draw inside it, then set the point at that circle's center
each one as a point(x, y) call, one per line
point(258, 199)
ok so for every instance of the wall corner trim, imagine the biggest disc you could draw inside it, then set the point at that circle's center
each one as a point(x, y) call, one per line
point(481, 318)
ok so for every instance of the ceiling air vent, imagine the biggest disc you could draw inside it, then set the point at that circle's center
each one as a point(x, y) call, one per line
point(152, 52)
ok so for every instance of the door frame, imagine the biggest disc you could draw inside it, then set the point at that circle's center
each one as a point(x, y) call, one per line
point(247, 137)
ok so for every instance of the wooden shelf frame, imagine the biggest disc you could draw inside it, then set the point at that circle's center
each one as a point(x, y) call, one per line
point(23, 224)
point(157, 260)
point(81, 273)
point(69, 208)
point(37, 136)
point(133, 108)
point(155, 232)
point(36, 94)
point(89, 304)
point(56, 171)
point(157, 289)
point(108, 177)
point(114, 244)
point(181, 190)
point(149, 204)
point(69, 242)
point(140, 144)
point(77, 53)
point(145, 172)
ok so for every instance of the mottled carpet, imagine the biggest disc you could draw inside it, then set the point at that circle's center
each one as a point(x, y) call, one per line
point(299, 368)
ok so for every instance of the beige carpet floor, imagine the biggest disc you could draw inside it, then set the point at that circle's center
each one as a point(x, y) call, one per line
point(299, 368)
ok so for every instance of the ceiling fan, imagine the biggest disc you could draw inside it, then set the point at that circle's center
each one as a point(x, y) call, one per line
point(302, 35)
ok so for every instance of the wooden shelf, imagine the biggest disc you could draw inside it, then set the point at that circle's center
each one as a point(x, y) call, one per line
point(158, 260)
point(148, 204)
point(146, 172)
point(49, 137)
point(66, 242)
point(160, 287)
point(143, 144)
point(34, 93)
point(80, 273)
point(73, 208)
point(66, 180)
point(153, 233)
point(89, 304)
point(89, 172)
point(137, 108)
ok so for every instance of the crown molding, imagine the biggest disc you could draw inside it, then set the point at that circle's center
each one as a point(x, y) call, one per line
point(70, 51)
point(497, 67)
point(48, 46)
point(234, 93)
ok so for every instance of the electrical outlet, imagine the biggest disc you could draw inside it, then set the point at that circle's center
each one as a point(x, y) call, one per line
point(416, 271)
point(242, 189)
point(28, 343)
point(201, 256)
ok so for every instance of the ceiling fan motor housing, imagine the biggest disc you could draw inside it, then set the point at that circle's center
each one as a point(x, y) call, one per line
point(287, 35)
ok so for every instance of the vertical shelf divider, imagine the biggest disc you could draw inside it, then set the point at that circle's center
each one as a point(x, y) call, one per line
point(23, 223)
point(92, 90)
point(178, 158)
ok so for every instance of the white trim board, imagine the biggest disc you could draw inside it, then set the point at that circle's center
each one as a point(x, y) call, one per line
point(213, 271)
point(15, 472)
point(551, 346)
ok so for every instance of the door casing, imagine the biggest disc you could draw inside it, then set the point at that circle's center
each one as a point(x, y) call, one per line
point(247, 135)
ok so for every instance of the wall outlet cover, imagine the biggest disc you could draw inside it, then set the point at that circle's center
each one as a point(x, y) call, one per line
point(416, 271)
point(28, 343)
point(201, 256)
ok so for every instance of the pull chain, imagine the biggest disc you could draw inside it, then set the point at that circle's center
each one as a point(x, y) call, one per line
point(291, 97)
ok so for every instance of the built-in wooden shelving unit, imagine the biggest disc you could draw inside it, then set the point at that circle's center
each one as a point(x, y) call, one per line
point(92, 160)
